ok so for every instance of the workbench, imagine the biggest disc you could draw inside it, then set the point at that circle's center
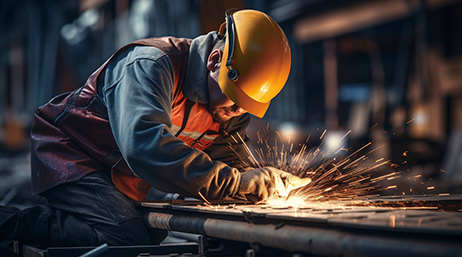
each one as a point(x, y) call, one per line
point(379, 226)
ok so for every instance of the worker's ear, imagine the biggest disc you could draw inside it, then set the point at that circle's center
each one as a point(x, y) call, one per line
point(214, 58)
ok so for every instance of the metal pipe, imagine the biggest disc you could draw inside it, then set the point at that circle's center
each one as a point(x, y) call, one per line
point(318, 241)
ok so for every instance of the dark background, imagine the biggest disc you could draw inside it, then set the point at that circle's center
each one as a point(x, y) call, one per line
point(388, 71)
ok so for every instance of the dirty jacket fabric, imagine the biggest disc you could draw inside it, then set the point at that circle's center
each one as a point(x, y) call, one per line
point(143, 115)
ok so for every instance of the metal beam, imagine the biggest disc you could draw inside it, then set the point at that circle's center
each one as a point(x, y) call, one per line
point(359, 16)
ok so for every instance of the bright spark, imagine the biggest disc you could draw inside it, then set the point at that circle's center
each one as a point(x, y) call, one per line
point(371, 128)
point(203, 198)
point(333, 178)
point(410, 121)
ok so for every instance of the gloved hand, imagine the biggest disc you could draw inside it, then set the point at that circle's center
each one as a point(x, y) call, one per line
point(259, 184)
point(290, 182)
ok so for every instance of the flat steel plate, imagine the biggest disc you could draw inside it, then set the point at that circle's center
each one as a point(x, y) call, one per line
point(409, 214)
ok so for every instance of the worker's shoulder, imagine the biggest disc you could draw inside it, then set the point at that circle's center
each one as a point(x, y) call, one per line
point(133, 53)
point(149, 58)
point(144, 52)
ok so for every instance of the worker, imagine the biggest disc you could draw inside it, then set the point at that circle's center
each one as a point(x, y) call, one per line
point(163, 113)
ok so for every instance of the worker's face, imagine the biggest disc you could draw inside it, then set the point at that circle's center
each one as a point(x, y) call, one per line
point(221, 107)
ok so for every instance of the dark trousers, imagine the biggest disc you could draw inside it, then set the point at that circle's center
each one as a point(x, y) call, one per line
point(88, 212)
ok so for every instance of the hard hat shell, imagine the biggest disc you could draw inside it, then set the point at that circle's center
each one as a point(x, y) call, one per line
point(261, 56)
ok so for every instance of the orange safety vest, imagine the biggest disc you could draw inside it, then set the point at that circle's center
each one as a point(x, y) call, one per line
point(71, 135)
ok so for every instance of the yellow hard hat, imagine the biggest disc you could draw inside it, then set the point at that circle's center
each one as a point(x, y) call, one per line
point(256, 60)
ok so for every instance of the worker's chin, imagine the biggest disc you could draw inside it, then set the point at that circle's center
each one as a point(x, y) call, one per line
point(220, 116)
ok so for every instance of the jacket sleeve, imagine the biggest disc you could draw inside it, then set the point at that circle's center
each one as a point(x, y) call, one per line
point(138, 94)
point(230, 148)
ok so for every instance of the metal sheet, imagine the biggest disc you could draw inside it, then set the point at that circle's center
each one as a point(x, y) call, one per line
point(372, 218)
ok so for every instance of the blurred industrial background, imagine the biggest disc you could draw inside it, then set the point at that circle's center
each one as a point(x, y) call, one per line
point(389, 71)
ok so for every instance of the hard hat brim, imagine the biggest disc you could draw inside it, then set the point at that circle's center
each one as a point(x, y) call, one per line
point(240, 98)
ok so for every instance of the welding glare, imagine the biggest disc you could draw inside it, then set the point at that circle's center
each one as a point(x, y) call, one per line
point(334, 140)
point(288, 129)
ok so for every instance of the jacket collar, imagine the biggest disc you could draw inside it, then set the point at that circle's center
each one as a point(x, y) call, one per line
point(195, 86)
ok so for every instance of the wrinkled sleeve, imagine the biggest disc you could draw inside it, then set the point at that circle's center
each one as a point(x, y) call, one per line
point(230, 148)
point(139, 109)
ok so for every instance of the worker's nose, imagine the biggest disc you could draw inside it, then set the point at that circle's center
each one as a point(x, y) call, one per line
point(236, 110)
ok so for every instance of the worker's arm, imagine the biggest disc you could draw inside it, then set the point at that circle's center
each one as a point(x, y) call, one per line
point(138, 94)
point(230, 147)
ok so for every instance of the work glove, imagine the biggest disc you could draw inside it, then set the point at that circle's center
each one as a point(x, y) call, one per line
point(259, 184)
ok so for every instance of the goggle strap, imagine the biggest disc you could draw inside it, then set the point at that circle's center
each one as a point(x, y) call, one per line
point(231, 38)
point(233, 74)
